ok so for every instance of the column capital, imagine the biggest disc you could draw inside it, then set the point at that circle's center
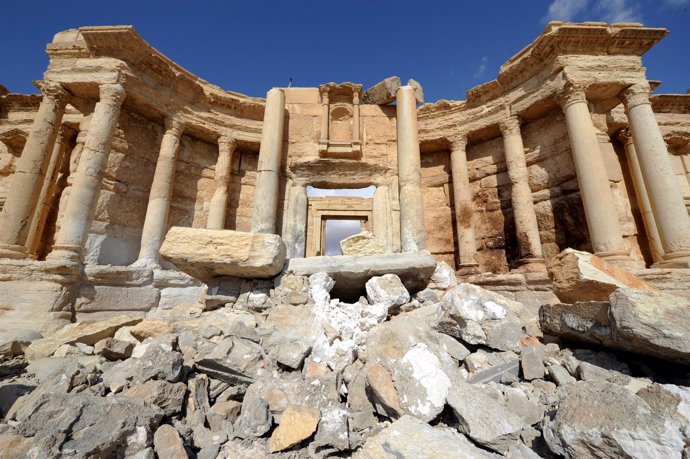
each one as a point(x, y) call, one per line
point(355, 98)
point(510, 126)
point(227, 142)
point(457, 141)
point(174, 125)
point(112, 94)
point(625, 136)
point(53, 91)
point(637, 94)
point(571, 93)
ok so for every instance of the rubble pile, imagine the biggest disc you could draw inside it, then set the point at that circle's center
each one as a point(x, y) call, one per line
point(449, 371)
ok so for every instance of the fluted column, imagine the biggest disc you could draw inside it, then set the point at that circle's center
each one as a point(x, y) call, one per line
point(268, 170)
point(602, 218)
point(464, 204)
point(666, 201)
point(81, 205)
point(642, 196)
point(526, 227)
point(295, 222)
point(412, 236)
point(219, 201)
point(28, 179)
point(33, 240)
point(156, 220)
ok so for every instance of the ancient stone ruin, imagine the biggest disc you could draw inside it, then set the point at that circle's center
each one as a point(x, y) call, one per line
point(518, 284)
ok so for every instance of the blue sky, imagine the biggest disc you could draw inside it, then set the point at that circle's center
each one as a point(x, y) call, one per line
point(249, 46)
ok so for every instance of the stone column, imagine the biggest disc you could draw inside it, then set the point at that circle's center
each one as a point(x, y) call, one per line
point(156, 220)
point(38, 222)
point(642, 196)
point(667, 204)
point(295, 222)
point(268, 169)
point(412, 234)
point(219, 201)
point(382, 217)
point(355, 118)
point(83, 197)
point(602, 218)
point(464, 204)
point(325, 115)
point(526, 227)
point(30, 174)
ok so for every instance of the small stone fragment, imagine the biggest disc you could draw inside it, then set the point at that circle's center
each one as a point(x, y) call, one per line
point(168, 444)
point(296, 424)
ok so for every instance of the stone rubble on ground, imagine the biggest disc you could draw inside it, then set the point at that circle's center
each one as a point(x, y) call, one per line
point(451, 370)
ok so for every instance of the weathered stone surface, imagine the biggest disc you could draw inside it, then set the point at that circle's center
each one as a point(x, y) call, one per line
point(383, 92)
point(167, 396)
point(363, 243)
point(234, 360)
point(297, 424)
point(410, 438)
point(381, 391)
point(205, 254)
point(167, 443)
point(414, 268)
point(479, 316)
point(15, 342)
point(646, 322)
point(151, 328)
point(483, 419)
point(443, 277)
point(418, 91)
point(532, 359)
point(114, 349)
point(581, 276)
point(596, 419)
point(222, 412)
point(387, 289)
point(82, 332)
point(289, 334)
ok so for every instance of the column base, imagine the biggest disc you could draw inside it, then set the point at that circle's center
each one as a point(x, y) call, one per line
point(467, 269)
point(66, 253)
point(531, 265)
point(15, 252)
point(674, 260)
point(146, 263)
point(622, 260)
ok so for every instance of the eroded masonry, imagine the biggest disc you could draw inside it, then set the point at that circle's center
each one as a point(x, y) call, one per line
point(125, 156)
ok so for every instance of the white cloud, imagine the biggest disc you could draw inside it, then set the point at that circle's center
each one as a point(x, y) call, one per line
point(617, 11)
point(367, 192)
point(598, 10)
point(565, 10)
point(675, 3)
point(481, 70)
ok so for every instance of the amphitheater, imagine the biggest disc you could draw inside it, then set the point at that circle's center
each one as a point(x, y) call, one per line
point(131, 187)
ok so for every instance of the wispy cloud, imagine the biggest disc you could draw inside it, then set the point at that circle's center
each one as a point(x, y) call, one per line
point(481, 70)
point(597, 10)
point(565, 10)
point(675, 3)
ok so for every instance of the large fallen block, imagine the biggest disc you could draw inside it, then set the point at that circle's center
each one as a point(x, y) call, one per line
point(383, 92)
point(581, 276)
point(413, 268)
point(640, 321)
point(204, 253)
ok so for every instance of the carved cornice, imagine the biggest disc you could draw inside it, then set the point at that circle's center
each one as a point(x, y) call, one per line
point(112, 94)
point(53, 92)
point(510, 126)
point(571, 93)
point(637, 94)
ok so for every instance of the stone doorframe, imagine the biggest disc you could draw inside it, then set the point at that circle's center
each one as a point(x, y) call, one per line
point(334, 208)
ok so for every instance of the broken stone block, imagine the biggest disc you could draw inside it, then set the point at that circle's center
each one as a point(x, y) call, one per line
point(289, 334)
point(642, 321)
point(383, 92)
point(234, 360)
point(410, 438)
point(222, 412)
point(387, 289)
point(114, 349)
point(581, 276)
point(297, 424)
point(151, 329)
point(167, 443)
point(169, 397)
point(560, 375)
point(443, 277)
point(597, 419)
point(15, 342)
point(363, 243)
point(83, 332)
point(479, 316)
point(381, 390)
point(204, 253)
point(484, 419)
point(532, 359)
point(418, 91)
